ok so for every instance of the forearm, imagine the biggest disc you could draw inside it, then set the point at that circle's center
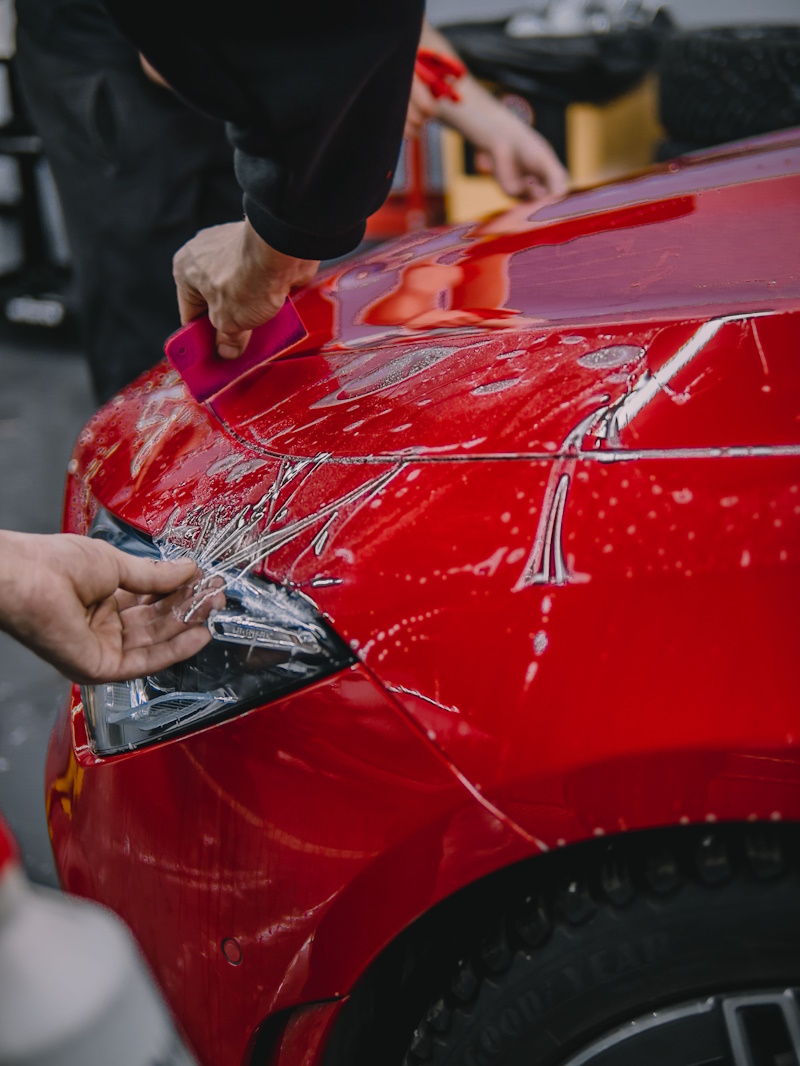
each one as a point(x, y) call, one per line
point(434, 41)
point(521, 160)
point(476, 115)
point(315, 105)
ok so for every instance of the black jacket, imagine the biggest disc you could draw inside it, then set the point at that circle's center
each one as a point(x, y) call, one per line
point(314, 94)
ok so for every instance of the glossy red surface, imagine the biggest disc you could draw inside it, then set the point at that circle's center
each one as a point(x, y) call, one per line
point(544, 475)
point(8, 847)
point(304, 1040)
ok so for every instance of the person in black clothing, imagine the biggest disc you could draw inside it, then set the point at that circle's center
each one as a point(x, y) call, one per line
point(315, 110)
point(315, 100)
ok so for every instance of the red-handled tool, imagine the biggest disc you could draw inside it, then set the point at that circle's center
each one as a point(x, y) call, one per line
point(192, 351)
point(438, 72)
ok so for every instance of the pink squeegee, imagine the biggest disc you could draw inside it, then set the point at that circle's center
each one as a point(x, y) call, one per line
point(192, 351)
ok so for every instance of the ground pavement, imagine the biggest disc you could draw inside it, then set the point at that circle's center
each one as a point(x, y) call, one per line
point(45, 398)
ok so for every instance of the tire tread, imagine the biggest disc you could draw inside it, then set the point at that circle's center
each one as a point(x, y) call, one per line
point(655, 868)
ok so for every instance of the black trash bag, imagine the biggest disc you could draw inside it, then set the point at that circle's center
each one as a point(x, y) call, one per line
point(591, 67)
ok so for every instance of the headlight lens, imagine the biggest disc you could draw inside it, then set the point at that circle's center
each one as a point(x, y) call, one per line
point(268, 641)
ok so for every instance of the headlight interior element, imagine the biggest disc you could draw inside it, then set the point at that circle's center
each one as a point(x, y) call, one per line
point(268, 641)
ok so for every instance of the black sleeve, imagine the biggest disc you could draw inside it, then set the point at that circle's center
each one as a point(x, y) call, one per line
point(314, 95)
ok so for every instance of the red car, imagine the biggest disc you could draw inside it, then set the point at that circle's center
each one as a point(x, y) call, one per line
point(495, 757)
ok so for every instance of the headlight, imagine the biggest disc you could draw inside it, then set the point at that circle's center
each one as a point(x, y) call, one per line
point(268, 641)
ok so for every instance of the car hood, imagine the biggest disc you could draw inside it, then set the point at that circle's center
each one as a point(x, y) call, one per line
point(569, 474)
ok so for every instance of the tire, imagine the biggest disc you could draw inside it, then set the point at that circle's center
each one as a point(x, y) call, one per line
point(660, 922)
point(725, 84)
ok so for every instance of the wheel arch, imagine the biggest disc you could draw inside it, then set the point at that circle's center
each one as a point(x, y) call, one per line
point(460, 937)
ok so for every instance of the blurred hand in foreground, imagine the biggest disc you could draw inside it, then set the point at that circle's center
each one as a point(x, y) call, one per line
point(521, 159)
point(96, 613)
point(242, 282)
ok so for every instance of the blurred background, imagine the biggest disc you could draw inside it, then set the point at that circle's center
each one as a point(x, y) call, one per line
point(614, 85)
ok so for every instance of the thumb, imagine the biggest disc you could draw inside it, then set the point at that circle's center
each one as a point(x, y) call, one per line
point(151, 577)
point(232, 345)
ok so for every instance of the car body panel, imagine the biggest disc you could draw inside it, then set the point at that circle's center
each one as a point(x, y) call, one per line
point(210, 842)
point(543, 475)
point(303, 1041)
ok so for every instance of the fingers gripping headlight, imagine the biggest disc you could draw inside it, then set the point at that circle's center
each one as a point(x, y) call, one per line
point(268, 641)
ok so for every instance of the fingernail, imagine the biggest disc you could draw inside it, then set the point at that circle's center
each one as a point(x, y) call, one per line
point(227, 351)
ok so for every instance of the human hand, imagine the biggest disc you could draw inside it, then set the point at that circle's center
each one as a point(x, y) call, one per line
point(520, 159)
point(524, 165)
point(239, 278)
point(96, 613)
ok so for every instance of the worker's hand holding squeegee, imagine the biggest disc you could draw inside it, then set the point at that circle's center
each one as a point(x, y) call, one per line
point(238, 278)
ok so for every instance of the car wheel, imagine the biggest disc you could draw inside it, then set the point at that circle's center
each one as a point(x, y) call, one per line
point(721, 85)
point(680, 950)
